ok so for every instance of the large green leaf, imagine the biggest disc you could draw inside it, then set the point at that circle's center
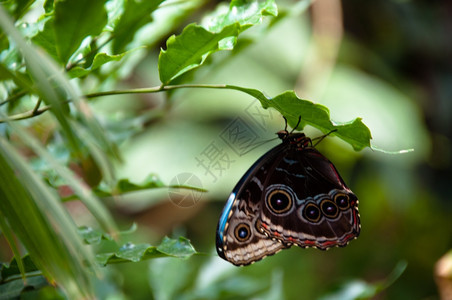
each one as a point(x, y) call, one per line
point(74, 21)
point(46, 39)
point(180, 248)
point(294, 109)
point(189, 50)
point(136, 15)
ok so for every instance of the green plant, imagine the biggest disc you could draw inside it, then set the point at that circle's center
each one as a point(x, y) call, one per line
point(53, 69)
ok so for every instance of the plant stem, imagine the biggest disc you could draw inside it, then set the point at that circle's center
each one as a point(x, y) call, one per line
point(37, 111)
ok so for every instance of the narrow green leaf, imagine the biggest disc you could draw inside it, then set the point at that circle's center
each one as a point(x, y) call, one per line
point(180, 248)
point(85, 194)
point(19, 263)
point(46, 76)
point(74, 21)
point(292, 108)
point(54, 88)
point(32, 209)
point(189, 49)
point(20, 79)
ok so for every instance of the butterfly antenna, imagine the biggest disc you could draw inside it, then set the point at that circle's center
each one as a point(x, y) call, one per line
point(296, 126)
point(257, 146)
point(320, 138)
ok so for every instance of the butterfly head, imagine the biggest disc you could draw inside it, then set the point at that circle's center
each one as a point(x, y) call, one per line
point(298, 138)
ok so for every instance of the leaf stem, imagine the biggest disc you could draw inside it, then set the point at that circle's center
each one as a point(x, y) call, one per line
point(37, 110)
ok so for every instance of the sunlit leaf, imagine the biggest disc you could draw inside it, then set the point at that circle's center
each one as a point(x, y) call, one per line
point(246, 13)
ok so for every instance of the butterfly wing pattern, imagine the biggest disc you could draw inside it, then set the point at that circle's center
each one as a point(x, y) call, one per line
point(292, 195)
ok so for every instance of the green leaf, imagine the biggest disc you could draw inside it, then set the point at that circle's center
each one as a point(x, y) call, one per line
point(99, 60)
point(292, 108)
point(91, 236)
point(14, 270)
point(14, 289)
point(42, 224)
point(74, 21)
point(136, 15)
point(46, 39)
point(359, 289)
point(48, 6)
point(48, 80)
point(150, 182)
point(18, 7)
point(179, 248)
point(246, 13)
point(189, 49)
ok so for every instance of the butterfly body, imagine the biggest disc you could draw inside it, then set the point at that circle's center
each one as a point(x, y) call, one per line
point(292, 195)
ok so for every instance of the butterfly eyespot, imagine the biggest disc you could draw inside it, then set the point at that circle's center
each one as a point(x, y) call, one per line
point(311, 212)
point(242, 232)
point(342, 201)
point(329, 208)
point(279, 201)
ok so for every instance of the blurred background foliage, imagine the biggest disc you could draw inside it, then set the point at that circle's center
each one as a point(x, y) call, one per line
point(386, 61)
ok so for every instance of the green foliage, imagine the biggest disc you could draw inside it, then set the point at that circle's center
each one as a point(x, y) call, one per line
point(308, 113)
point(136, 15)
point(179, 248)
point(63, 194)
point(74, 21)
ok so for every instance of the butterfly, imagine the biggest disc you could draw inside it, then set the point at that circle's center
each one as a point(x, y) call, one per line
point(292, 195)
